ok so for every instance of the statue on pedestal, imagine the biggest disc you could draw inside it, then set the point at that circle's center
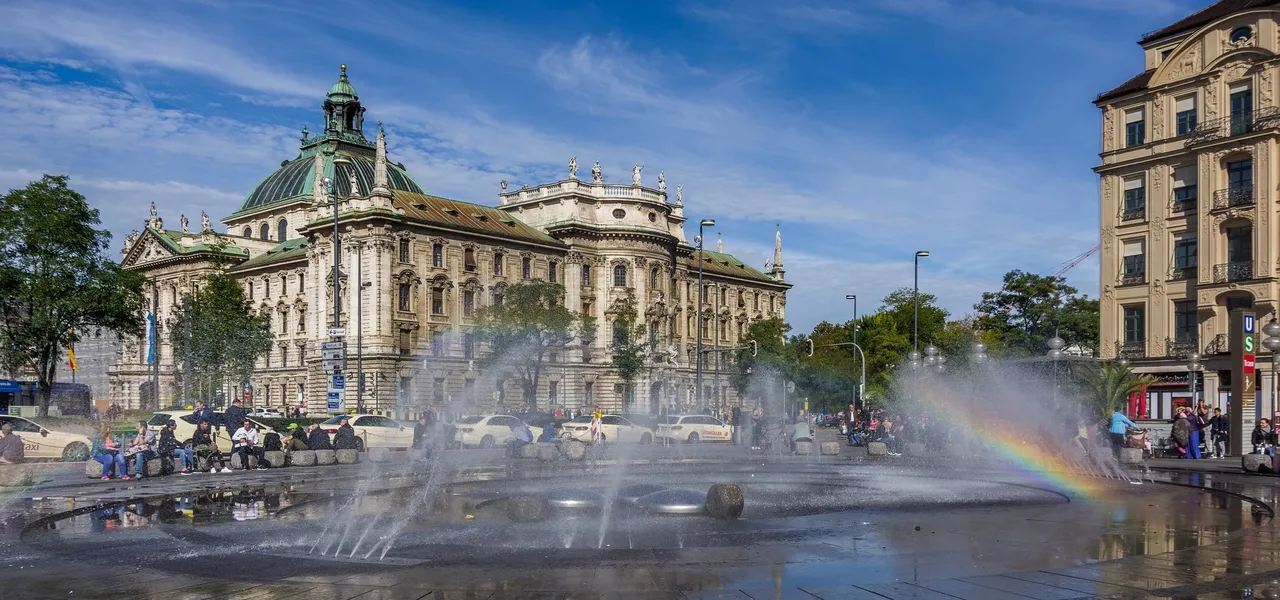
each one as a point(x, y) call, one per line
point(597, 176)
point(204, 222)
point(662, 182)
point(635, 173)
point(573, 168)
point(183, 220)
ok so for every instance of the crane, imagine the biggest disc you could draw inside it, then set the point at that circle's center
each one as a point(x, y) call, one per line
point(1071, 264)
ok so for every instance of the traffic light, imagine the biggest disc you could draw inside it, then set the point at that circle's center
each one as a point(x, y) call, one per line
point(808, 344)
point(755, 348)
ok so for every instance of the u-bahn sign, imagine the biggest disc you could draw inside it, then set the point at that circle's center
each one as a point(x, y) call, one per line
point(1244, 376)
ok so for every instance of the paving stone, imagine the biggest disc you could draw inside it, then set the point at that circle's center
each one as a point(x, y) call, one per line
point(1087, 586)
point(913, 449)
point(378, 455)
point(968, 591)
point(1029, 589)
point(904, 591)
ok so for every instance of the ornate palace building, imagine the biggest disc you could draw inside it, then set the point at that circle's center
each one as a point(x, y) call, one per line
point(416, 267)
point(1189, 183)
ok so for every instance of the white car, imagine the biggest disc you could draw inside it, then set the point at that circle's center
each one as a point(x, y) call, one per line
point(373, 431)
point(38, 442)
point(486, 432)
point(613, 428)
point(266, 413)
point(694, 429)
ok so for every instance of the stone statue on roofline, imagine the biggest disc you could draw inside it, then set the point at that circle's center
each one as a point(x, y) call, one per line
point(352, 183)
point(503, 185)
point(130, 239)
point(662, 182)
point(183, 220)
point(597, 176)
point(635, 173)
point(573, 168)
point(205, 225)
point(151, 218)
point(679, 194)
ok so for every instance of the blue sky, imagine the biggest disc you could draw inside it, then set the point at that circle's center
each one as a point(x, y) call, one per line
point(867, 128)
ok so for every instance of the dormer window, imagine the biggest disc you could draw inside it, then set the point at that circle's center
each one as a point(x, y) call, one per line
point(1241, 34)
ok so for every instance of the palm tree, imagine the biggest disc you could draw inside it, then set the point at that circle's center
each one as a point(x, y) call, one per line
point(1111, 385)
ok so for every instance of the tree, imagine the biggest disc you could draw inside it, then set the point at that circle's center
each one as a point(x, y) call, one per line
point(899, 305)
point(226, 338)
point(630, 347)
point(830, 377)
point(774, 354)
point(1030, 308)
point(885, 345)
point(531, 323)
point(1110, 385)
point(55, 279)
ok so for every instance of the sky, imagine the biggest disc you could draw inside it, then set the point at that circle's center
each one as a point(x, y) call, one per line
point(865, 129)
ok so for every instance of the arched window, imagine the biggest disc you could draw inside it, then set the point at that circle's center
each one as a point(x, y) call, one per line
point(586, 275)
point(497, 263)
point(265, 232)
point(248, 232)
point(653, 278)
point(469, 259)
point(282, 230)
point(620, 276)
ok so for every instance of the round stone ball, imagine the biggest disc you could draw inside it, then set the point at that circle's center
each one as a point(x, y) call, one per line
point(724, 501)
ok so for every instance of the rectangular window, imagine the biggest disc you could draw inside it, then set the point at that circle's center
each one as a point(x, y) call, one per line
point(1184, 253)
point(1241, 108)
point(469, 260)
point(773, 304)
point(1185, 114)
point(1239, 244)
point(588, 393)
point(1184, 321)
point(553, 390)
point(1135, 198)
point(497, 264)
point(469, 390)
point(437, 390)
point(1135, 128)
point(1240, 175)
point(586, 277)
point(526, 268)
point(1184, 188)
point(404, 297)
point(404, 250)
point(1135, 262)
point(284, 359)
point(468, 303)
point(468, 345)
point(437, 255)
point(284, 284)
point(437, 301)
point(438, 346)
point(1135, 325)
point(551, 272)
point(405, 342)
point(266, 287)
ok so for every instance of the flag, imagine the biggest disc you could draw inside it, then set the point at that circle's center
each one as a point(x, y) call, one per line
point(71, 351)
point(151, 338)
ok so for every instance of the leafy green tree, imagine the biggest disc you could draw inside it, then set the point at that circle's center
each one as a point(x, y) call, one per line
point(226, 338)
point(885, 345)
point(629, 347)
point(774, 352)
point(899, 305)
point(55, 278)
point(1110, 384)
point(830, 377)
point(1028, 309)
point(530, 324)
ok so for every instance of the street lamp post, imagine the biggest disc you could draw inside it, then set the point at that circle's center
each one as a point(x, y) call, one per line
point(1272, 342)
point(1055, 344)
point(702, 225)
point(915, 301)
point(857, 397)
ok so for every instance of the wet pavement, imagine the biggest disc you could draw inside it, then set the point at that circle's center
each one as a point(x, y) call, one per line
point(814, 527)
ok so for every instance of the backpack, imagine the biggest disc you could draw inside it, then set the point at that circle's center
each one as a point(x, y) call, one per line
point(271, 442)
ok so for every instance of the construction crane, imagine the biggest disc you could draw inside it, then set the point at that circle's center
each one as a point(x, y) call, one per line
point(1071, 264)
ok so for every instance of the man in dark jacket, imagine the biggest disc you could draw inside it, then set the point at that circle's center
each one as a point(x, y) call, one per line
point(203, 413)
point(345, 438)
point(1219, 425)
point(234, 416)
point(421, 432)
point(318, 439)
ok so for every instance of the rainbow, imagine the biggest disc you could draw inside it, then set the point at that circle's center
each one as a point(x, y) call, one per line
point(1035, 459)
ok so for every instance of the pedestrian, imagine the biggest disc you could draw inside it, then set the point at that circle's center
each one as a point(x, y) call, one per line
point(1119, 426)
point(1199, 420)
point(107, 451)
point(1181, 433)
point(170, 448)
point(246, 443)
point(234, 416)
point(421, 432)
point(11, 451)
point(1219, 426)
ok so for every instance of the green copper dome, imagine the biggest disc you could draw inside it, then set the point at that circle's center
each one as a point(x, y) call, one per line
point(342, 89)
point(295, 179)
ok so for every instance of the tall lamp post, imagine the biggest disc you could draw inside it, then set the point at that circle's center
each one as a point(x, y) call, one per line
point(1272, 342)
point(702, 225)
point(1194, 366)
point(915, 301)
point(1055, 344)
point(857, 396)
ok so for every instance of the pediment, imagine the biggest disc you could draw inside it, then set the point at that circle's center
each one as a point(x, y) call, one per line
point(146, 249)
point(1185, 62)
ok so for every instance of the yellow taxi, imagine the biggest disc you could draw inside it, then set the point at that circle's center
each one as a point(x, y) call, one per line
point(38, 442)
point(613, 428)
point(694, 429)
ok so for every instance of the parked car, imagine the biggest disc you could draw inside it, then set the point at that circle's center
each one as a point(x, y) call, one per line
point(187, 424)
point(373, 431)
point(38, 442)
point(485, 432)
point(266, 413)
point(694, 429)
point(830, 421)
point(613, 428)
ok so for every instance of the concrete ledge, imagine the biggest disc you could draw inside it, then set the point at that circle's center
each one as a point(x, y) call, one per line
point(877, 449)
point(347, 456)
point(830, 448)
point(326, 457)
point(303, 458)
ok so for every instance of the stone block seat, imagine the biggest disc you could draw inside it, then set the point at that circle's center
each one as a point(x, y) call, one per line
point(236, 464)
point(804, 448)
point(1256, 463)
point(830, 448)
point(274, 458)
point(877, 449)
point(326, 457)
point(153, 467)
point(547, 452)
point(347, 456)
point(1131, 456)
point(303, 458)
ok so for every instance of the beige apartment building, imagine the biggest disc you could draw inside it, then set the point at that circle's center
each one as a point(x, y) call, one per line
point(416, 268)
point(1189, 193)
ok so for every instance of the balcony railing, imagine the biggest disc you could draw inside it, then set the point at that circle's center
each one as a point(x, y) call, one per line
point(1131, 349)
point(1177, 274)
point(1218, 345)
point(1233, 197)
point(1233, 271)
point(1234, 125)
point(1133, 214)
point(1133, 278)
point(1183, 204)
point(1180, 348)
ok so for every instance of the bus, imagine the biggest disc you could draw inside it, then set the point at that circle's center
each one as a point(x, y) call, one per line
point(69, 398)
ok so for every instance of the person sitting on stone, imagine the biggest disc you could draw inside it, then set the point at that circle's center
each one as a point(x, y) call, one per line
point(318, 438)
point(345, 438)
point(245, 442)
point(297, 438)
point(107, 451)
point(171, 449)
point(548, 435)
point(421, 432)
point(801, 432)
point(521, 436)
point(205, 447)
point(10, 446)
point(141, 448)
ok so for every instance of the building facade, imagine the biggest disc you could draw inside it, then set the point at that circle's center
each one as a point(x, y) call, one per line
point(1188, 196)
point(415, 268)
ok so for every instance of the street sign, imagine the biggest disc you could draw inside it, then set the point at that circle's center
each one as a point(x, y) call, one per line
point(791, 387)
point(333, 353)
point(337, 331)
point(339, 382)
point(333, 345)
point(337, 364)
